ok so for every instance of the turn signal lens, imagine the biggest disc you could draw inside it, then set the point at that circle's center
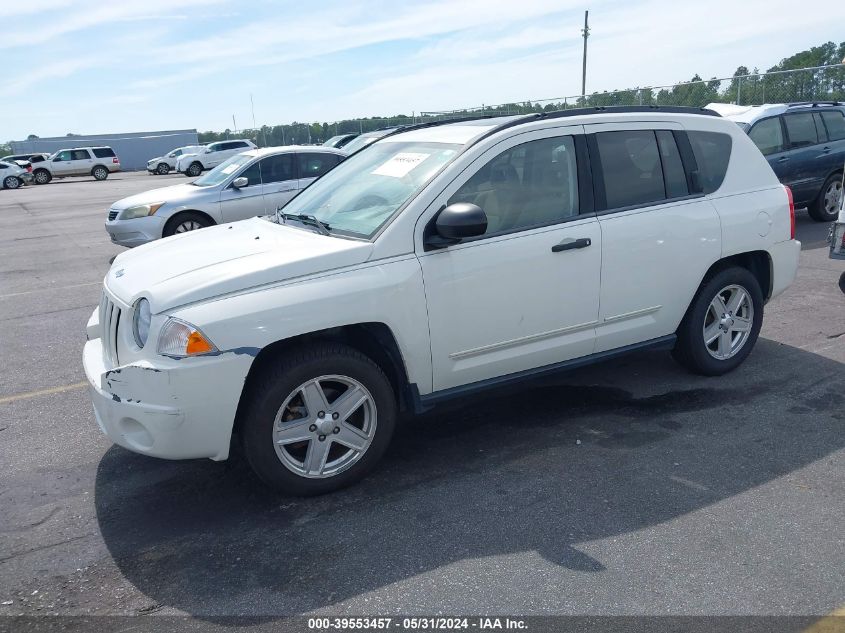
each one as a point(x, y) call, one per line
point(197, 344)
point(791, 212)
point(179, 339)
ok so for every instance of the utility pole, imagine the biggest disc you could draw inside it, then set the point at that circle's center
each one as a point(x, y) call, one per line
point(234, 124)
point(586, 33)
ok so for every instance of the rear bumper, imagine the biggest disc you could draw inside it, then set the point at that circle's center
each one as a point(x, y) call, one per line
point(784, 265)
point(173, 409)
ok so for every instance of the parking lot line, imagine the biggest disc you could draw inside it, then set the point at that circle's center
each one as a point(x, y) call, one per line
point(41, 392)
point(834, 622)
point(29, 292)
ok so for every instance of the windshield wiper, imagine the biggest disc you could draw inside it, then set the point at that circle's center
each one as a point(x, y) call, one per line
point(322, 228)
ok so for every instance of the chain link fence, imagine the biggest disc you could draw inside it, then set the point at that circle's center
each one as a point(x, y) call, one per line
point(820, 83)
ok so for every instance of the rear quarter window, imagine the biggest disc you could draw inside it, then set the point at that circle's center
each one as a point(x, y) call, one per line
point(712, 152)
point(835, 124)
point(104, 152)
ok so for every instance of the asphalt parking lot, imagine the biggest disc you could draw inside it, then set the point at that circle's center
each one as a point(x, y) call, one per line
point(627, 488)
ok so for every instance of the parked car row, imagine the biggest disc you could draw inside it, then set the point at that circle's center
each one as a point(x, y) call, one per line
point(442, 260)
point(98, 162)
point(805, 146)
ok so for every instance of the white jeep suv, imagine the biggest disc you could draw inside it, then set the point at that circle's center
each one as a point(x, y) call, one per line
point(193, 164)
point(442, 261)
point(162, 165)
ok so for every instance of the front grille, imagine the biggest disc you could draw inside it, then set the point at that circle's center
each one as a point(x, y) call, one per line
point(109, 323)
point(112, 214)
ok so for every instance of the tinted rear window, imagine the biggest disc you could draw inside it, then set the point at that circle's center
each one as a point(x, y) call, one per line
point(835, 124)
point(103, 152)
point(633, 173)
point(801, 129)
point(712, 153)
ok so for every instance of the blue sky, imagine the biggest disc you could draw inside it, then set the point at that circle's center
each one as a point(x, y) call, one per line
point(90, 67)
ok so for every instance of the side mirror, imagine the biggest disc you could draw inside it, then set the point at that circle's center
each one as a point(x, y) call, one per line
point(243, 181)
point(456, 222)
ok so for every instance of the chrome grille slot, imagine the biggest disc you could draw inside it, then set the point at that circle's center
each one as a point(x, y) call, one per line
point(109, 323)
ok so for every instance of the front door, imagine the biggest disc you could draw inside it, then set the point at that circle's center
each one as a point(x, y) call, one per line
point(245, 202)
point(278, 173)
point(525, 294)
point(62, 165)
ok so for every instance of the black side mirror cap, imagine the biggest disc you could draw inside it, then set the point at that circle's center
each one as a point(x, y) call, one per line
point(455, 222)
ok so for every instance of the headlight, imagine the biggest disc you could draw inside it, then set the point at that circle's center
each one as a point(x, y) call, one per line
point(182, 339)
point(141, 322)
point(140, 211)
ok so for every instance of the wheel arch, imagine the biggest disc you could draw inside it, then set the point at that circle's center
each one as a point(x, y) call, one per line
point(373, 339)
point(758, 263)
point(174, 218)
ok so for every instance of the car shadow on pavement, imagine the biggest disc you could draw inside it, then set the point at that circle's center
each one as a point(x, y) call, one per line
point(605, 451)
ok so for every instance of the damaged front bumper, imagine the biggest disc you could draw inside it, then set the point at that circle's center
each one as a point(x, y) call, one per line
point(174, 409)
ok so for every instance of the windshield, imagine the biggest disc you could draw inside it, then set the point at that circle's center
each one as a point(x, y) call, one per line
point(361, 194)
point(362, 141)
point(223, 171)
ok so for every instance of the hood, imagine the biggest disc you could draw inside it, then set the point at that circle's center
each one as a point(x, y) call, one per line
point(174, 193)
point(153, 160)
point(227, 258)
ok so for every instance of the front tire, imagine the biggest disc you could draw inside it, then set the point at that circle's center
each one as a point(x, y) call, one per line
point(100, 173)
point(184, 222)
point(317, 419)
point(163, 169)
point(12, 182)
point(42, 176)
point(194, 170)
point(825, 208)
point(722, 324)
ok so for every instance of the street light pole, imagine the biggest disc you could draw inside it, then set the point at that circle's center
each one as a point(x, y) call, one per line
point(586, 33)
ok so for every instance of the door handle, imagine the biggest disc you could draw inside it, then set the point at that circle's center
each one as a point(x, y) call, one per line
point(825, 150)
point(783, 159)
point(569, 244)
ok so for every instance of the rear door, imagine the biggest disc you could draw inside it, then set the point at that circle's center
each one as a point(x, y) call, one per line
point(312, 165)
point(833, 122)
point(81, 162)
point(808, 159)
point(659, 237)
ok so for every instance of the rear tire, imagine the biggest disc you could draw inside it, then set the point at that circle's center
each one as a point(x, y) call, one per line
point(283, 438)
point(194, 169)
point(12, 182)
point(722, 323)
point(163, 169)
point(100, 173)
point(42, 176)
point(825, 208)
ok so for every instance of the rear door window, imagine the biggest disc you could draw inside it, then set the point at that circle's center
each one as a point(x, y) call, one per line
point(712, 151)
point(768, 136)
point(673, 167)
point(801, 129)
point(834, 122)
point(314, 165)
point(80, 154)
point(630, 162)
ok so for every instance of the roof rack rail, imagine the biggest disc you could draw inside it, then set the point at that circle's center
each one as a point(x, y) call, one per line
point(813, 103)
point(558, 114)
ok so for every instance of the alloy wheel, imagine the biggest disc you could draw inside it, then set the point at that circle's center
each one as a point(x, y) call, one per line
point(728, 322)
point(833, 197)
point(41, 177)
point(325, 426)
point(188, 225)
point(11, 182)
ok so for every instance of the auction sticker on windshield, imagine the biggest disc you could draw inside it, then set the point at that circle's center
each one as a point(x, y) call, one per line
point(400, 164)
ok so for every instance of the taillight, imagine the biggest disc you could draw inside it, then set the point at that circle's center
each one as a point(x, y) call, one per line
point(115, 160)
point(791, 212)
